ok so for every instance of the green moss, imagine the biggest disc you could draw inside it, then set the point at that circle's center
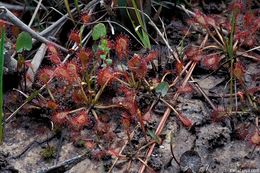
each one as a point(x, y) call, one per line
point(48, 153)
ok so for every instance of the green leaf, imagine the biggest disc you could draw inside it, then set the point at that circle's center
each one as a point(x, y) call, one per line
point(143, 36)
point(99, 31)
point(95, 47)
point(107, 50)
point(101, 47)
point(109, 61)
point(154, 136)
point(76, 2)
point(23, 42)
point(103, 57)
point(67, 4)
point(33, 95)
point(162, 88)
point(80, 34)
point(104, 43)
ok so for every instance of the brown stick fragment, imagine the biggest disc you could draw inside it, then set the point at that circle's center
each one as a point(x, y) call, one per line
point(158, 131)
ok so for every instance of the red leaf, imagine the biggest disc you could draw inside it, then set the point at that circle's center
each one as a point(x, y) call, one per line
point(147, 116)
point(84, 56)
point(52, 105)
point(85, 18)
point(80, 120)
point(218, 114)
point(52, 49)
point(246, 37)
point(179, 67)
point(122, 46)
point(90, 144)
point(128, 93)
point(55, 59)
point(105, 75)
point(126, 124)
point(60, 118)
point(72, 70)
point(243, 131)
point(253, 90)
point(74, 36)
point(15, 31)
point(185, 89)
point(249, 19)
point(236, 7)
point(99, 155)
point(203, 20)
point(138, 66)
point(101, 128)
point(130, 106)
point(45, 75)
point(239, 72)
point(185, 121)
point(2, 23)
point(141, 121)
point(200, 18)
point(28, 63)
point(113, 153)
point(128, 101)
point(211, 62)
point(255, 139)
point(109, 136)
point(194, 54)
point(210, 21)
point(151, 56)
point(78, 97)
point(62, 72)
point(241, 95)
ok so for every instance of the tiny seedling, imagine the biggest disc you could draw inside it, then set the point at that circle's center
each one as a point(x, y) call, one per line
point(48, 153)
point(98, 33)
point(23, 43)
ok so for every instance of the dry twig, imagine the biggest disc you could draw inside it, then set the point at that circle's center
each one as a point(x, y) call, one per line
point(6, 14)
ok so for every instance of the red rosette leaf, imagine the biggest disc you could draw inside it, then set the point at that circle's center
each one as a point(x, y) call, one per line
point(138, 66)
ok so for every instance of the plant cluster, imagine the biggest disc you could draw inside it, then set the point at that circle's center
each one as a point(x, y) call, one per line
point(102, 82)
point(74, 91)
point(227, 40)
point(222, 48)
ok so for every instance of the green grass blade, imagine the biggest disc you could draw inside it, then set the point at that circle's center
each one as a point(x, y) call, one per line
point(76, 3)
point(138, 15)
point(146, 40)
point(134, 26)
point(68, 9)
point(1, 84)
point(143, 36)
